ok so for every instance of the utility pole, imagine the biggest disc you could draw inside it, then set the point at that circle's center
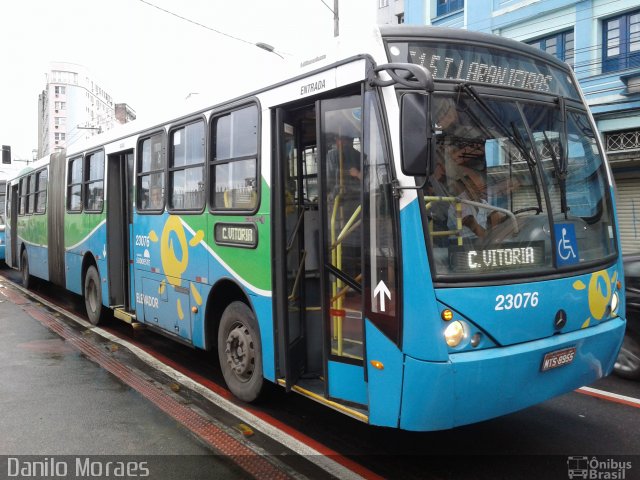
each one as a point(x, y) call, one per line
point(336, 17)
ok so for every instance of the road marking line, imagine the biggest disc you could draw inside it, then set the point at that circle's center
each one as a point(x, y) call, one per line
point(338, 465)
point(610, 396)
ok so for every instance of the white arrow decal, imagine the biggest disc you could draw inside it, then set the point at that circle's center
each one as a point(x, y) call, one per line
point(104, 251)
point(383, 291)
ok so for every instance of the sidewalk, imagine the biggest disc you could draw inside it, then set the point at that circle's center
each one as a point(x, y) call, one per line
point(64, 399)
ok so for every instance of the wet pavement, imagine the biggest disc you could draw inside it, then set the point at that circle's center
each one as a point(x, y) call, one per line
point(56, 402)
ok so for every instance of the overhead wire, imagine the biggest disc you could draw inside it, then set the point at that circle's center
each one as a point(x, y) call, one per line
point(261, 45)
point(219, 32)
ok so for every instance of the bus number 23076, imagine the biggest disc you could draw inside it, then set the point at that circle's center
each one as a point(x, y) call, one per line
point(517, 301)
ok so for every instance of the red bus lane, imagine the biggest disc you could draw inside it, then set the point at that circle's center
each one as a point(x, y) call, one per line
point(249, 418)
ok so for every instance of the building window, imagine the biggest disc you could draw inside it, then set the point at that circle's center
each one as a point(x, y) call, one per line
point(383, 3)
point(621, 43)
point(621, 141)
point(560, 45)
point(448, 6)
point(59, 90)
point(234, 160)
point(186, 168)
point(150, 195)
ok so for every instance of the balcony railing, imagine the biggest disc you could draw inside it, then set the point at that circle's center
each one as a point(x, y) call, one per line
point(621, 141)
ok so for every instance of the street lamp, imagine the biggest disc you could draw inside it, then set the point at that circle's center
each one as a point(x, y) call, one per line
point(268, 48)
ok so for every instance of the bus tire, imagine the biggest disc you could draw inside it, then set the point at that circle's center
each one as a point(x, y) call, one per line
point(93, 296)
point(27, 279)
point(628, 362)
point(240, 351)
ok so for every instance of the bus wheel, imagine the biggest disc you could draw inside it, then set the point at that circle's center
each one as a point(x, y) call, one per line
point(93, 296)
point(27, 280)
point(240, 352)
point(628, 362)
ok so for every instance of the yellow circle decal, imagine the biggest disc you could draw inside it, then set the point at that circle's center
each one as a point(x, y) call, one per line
point(173, 266)
point(599, 294)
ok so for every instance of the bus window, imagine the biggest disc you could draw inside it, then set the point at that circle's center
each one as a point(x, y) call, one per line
point(8, 200)
point(186, 168)
point(94, 182)
point(31, 193)
point(342, 129)
point(42, 179)
point(234, 163)
point(151, 174)
point(74, 185)
point(22, 200)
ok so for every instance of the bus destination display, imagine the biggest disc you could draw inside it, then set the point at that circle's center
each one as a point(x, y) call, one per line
point(489, 66)
point(466, 259)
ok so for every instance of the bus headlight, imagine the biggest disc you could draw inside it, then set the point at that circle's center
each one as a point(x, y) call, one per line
point(454, 333)
point(615, 302)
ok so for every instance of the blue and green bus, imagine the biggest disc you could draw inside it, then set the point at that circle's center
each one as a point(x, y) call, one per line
point(3, 186)
point(419, 233)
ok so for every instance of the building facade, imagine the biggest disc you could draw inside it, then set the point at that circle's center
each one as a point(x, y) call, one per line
point(74, 106)
point(600, 39)
point(390, 12)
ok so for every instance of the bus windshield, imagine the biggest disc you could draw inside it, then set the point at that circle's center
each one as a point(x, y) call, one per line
point(515, 189)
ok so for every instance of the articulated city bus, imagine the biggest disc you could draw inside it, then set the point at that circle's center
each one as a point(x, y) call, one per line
point(419, 233)
point(3, 185)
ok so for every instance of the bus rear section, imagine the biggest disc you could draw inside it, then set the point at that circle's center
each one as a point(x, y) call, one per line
point(3, 196)
point(35, 223)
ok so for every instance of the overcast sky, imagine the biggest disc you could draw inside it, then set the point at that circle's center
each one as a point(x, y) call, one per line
point(140, 54)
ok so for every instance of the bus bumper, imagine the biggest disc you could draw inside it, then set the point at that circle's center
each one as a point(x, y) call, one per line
point(475, 386)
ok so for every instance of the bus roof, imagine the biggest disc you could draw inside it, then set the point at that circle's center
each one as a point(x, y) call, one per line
point(366, 41)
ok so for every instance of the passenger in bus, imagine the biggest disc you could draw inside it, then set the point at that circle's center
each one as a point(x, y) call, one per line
point(155, 198)
point(343, 164)
point(476, 220)
point(458, 171)
point(459, 141)
point(438, 210)
point(344, 161)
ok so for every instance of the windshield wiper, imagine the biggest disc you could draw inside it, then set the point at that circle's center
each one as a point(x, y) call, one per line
point(488, 111)
point(561, 173)
point(515, 137)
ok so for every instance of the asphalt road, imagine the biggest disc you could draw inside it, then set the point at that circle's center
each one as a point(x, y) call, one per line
point(534, 443)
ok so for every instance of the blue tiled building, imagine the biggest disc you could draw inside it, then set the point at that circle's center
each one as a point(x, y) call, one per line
point(600, 39)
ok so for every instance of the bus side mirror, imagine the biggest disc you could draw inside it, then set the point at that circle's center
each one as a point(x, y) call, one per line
point(416, 133)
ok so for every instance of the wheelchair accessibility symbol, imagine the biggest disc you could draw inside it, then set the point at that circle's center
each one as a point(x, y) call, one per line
point(566, 243)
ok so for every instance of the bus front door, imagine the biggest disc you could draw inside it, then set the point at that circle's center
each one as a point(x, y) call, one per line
point(318, 293)
point(340, 159)
point(290, 275)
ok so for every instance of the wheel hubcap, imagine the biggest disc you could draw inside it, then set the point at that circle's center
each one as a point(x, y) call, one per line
point(91, 295)
point(240, 353)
